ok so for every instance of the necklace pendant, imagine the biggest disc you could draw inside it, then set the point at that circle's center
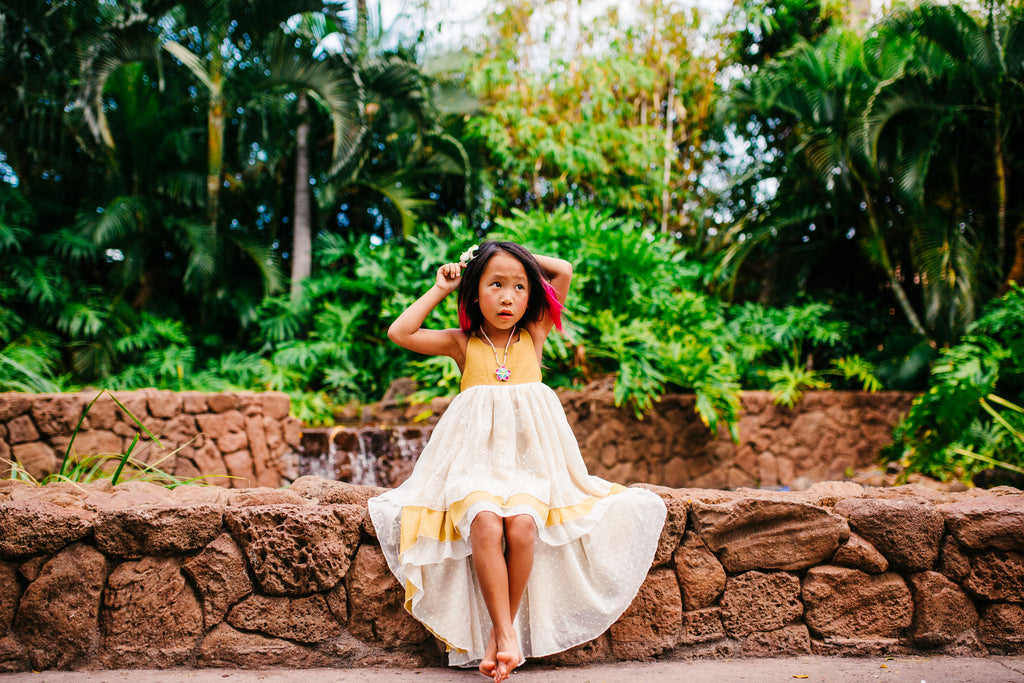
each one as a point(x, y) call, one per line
point(503, 373)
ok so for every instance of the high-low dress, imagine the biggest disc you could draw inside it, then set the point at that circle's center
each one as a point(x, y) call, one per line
point(506, 447)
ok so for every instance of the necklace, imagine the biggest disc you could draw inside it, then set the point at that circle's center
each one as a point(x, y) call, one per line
point(502, 372)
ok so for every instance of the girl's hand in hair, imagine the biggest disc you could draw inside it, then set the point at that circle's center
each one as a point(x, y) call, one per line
point(449, 276)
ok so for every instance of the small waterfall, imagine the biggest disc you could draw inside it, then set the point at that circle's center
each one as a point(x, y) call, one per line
point(373, 456)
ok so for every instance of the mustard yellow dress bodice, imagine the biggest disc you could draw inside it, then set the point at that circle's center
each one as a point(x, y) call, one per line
point(480, 364)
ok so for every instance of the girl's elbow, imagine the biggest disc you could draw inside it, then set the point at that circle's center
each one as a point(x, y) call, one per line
point(394, 335)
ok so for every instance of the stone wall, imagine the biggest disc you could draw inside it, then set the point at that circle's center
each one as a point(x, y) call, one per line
point(239, 440)
point(825, 437)
point(248, 439)
point(139, 576)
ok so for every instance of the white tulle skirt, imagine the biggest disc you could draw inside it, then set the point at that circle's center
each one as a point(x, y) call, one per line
point(510, 450)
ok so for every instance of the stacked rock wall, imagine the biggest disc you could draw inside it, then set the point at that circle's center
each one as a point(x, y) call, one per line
point(823, 438)
point(140, 576)
point(237, 440)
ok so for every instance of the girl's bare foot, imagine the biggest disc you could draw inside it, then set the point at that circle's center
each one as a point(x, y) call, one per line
point(508, 657)
point(489, 664)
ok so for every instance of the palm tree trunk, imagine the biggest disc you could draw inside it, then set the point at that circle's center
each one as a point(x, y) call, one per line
point(886, 263)
point(215, 140)
point(1001, 199)
point(666, 172)
point(302, 240)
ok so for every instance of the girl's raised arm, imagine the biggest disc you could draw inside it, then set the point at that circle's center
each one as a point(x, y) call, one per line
point(559, 274)
point(407, 331)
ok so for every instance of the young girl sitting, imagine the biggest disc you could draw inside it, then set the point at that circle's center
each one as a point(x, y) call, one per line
point(506, 546)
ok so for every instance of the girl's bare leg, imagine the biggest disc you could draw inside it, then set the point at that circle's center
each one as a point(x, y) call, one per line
point(520, 537)
point(486, 536)
point(503, 579)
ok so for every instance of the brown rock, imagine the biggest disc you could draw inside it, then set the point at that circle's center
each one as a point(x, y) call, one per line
point(13, 404)
point(56, 414)
point(165, 404)
point(675, 523)
point(858, 647)
point(1001, 627)
point(21, 429)
point(219, 572)
point(13, 657)
point(150, 614)
point(942, 611)
point(340, 492)
point(221, 403)
point(756, 601)
point(650, 625)
point(312, 488)
point(859, 554)
point(905, 530)
point(36, 458)
point(337, 602)
point(226, 647)
point(194, 402)
point(701, 576)
point(752, 533)
point(789, 640)
point(983, 523)
point(241, 470)
point(241, 498)
point(190, 494)
point(58, 618)
point(296, 550)
point(33, 567)
point(376, 603)
point(37, 528)
point(233, 442)
point(210, 463)
point(828, 493)
point(591, 652)
point(257, 438)
point(997, 576)
point(701, 626)
point(220, 425)
point(157, 529)
point(96, 442)
point(10, 594)
point(847, 603)
point(276, 404)
point(307, 620)
point(954, 563)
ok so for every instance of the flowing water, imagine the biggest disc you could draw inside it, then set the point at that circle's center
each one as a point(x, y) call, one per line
point(373, 456)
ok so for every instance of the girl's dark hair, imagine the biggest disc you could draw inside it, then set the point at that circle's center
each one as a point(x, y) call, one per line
point(543, 298)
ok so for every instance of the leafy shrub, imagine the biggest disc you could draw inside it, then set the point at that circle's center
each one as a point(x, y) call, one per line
point(969, 418)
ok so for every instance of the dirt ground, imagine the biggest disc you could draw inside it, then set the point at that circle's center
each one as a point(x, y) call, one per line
point(789, 669)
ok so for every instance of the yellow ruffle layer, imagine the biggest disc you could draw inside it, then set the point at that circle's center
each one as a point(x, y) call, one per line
point(442, 525)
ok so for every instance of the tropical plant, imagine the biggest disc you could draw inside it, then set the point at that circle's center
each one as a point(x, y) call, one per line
point(595, 111)
point(968, 418)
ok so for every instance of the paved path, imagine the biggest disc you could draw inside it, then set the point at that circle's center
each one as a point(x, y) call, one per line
point(789, 669)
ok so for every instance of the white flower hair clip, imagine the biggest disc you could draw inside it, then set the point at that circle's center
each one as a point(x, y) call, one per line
point(468, 255)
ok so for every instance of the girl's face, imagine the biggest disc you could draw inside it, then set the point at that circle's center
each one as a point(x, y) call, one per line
point(503, 293)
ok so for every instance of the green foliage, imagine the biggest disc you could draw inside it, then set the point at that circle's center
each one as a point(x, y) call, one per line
point(797, 349)
point(969, 418)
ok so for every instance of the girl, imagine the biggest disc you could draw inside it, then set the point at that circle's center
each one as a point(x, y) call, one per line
point(506, 547)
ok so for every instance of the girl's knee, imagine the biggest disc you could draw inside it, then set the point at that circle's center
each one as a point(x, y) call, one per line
point(520, 530)
point(487, 525)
